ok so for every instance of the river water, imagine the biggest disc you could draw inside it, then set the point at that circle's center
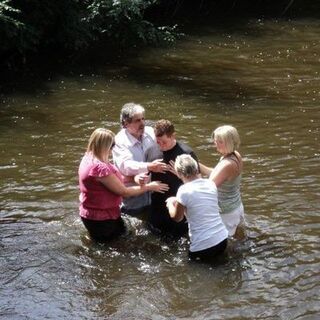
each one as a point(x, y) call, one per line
point(261, 76)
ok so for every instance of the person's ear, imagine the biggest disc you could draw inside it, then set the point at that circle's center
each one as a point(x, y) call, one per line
point(173, 136)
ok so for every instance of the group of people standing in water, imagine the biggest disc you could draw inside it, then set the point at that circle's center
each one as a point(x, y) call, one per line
point(158, 178)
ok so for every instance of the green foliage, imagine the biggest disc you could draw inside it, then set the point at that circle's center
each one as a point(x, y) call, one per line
point(10, 27)
point(41, 27)
point(28, 27)
point(123, 22)
point(67, 26)
point(5, 8)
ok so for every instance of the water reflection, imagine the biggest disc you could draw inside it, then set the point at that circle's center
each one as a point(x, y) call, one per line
point(264, 79)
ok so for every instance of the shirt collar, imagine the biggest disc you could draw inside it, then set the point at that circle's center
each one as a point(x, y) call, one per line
point(133, 139)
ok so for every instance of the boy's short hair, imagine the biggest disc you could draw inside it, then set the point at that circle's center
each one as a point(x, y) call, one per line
point(163, 127)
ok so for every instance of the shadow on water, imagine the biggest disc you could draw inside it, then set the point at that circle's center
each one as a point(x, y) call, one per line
point(224, 70)
point(36, 77)
point(198, 69)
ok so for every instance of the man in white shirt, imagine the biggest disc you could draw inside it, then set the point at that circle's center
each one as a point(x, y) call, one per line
point(129, 154)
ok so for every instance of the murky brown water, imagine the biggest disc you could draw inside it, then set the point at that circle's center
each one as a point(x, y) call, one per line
point(263, 78)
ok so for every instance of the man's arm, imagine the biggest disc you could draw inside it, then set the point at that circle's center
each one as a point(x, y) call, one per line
point(123, 159)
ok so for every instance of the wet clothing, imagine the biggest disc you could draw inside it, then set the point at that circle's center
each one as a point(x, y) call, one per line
point(209, 254)
point(104, 230)
point(159, 218)
point(229, 199)
point(200, 199)
point(233, 219)
point(229, 195)
point(99, 207)
point(129, 157)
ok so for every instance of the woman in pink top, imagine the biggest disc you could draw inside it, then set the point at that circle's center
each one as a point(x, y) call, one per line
point(102, 188)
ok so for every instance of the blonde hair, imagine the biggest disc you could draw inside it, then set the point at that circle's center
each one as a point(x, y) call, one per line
point(186, 166)
point(100, 140)
point(229, 136)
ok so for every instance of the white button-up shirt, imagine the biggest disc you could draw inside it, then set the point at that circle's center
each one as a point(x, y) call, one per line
point(129, 157)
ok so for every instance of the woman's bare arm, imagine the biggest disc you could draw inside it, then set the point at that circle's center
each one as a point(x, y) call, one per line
point(112, 183)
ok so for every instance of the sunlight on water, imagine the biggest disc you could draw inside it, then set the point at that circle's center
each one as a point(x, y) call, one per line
point(262, 77)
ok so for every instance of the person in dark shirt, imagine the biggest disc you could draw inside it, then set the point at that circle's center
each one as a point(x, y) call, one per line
point(167, 149)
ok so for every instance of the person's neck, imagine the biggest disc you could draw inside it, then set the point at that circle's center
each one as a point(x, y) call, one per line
point(192, 178)
point(138, 137)
point(226, 155)
point(103, 159)
point(174, 142)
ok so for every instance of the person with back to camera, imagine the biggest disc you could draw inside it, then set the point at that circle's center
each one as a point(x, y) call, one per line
point(168, 148)
point(227, 177)
point(102, 189)
point(129, 155)
point(197, 200)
